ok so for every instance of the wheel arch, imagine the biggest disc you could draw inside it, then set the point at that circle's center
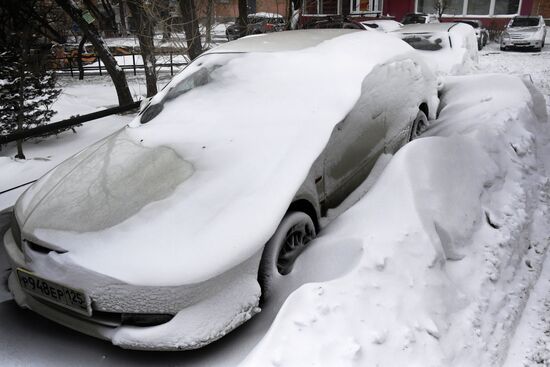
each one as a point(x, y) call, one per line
point(304, 205)
point(424, 108)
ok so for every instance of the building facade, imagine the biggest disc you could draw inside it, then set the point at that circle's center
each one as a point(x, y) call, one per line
point(490, 12)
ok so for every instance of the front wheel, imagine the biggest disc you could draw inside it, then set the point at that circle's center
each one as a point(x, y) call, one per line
point(419, 125)
point(290, 239)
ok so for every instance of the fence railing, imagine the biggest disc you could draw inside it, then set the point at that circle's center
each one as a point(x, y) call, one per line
point(65, 124)
point(69, 64)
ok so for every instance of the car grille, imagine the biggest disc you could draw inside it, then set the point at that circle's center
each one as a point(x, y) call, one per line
point(113, 319)
point(518, 36)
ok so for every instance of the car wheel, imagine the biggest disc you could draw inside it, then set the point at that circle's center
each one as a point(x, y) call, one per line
point(290, 239)
point(419, 125)
point(502, 48)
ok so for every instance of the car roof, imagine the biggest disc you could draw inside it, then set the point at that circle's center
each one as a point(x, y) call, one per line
point(426, 28)
point(282, 41)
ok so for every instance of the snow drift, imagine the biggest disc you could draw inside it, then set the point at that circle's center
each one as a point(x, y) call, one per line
point(448, 234)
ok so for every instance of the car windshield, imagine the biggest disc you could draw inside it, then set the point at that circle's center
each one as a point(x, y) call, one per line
point(198, 74)
point(525, 22)
point(427, 41)
point(414, 18)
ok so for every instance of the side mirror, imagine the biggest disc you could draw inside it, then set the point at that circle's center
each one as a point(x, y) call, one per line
point(144, 103)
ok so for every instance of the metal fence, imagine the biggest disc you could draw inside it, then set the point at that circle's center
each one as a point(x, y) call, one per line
point(98, 68)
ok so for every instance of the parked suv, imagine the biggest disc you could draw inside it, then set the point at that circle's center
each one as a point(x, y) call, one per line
point(524, 32)
point(258, 23)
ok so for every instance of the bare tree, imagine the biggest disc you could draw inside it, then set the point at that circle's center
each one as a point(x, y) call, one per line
point(208, 22)
point(191, 28)
point(145, 31)
point(439, 7)
point(89, 30)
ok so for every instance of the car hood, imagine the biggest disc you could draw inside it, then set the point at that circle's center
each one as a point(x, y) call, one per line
point(523, 29)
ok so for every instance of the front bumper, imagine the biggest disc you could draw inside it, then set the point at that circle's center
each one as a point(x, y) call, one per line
point(201, 312)
point(527, 43)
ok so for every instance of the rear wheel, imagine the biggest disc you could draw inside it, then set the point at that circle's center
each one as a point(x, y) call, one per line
point(419, 125)
point(290, 239)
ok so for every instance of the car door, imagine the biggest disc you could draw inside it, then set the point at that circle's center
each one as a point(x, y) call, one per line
point(379, 122)
point(354, 145)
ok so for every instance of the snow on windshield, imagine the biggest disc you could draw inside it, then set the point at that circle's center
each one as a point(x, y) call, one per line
point(251, 136)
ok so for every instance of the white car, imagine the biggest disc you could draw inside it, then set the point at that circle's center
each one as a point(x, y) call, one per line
point(451, 48)
point(382, 25)
point(524, 32)
point(166, 234)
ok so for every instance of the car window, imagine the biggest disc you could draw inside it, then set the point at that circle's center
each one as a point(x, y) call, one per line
point(525, 22)
point(427, 42)
point(414, 18)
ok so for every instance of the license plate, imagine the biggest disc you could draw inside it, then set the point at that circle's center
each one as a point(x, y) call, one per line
point(70, 298)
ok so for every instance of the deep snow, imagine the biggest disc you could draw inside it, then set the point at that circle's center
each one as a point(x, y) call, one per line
point(229, 350)
point(451, 233)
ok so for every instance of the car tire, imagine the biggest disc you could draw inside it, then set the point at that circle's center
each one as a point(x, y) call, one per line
point(290, 239)
point(502, 48)
point(418, 126)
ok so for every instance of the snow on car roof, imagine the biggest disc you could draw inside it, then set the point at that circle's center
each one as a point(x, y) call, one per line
point(427, 28)
point(265, 15)
point(249, 136)
point(282, 41)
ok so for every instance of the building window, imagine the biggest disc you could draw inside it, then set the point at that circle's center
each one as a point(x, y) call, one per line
point(451, 6)
point(471, 7)
point(505, 7)
point(321, 7)
point(479, 7)
point(364, 6)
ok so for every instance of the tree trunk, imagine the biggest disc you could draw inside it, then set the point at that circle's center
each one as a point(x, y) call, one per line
point(145, 32)
point(117, 74)
point(191, 28)
point(79, 58)
point(243, 13)
point(21, 100)
point(122, 13)
point(209, 14)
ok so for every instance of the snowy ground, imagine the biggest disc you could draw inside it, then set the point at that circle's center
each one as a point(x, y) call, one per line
point(495, 269)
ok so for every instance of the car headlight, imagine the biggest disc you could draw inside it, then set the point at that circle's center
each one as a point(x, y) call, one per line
point(15, 230)
point(506, 36)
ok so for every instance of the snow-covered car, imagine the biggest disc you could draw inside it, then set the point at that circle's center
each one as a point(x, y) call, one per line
point(257, 23)
point(451, 48)
point(420, 18)
point(482, 33)
point(166, 234)
point(524, 32)
point(383, 25)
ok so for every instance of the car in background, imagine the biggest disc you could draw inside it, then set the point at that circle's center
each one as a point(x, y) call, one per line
point(451, 48)
point(382, 25)
point(258, 23)
point(333, 22)
point(482, 33)
point(524, 32)
point(165, 234)
point(420, 18)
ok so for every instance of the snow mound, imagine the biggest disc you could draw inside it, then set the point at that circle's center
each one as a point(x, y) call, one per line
point(449, 236)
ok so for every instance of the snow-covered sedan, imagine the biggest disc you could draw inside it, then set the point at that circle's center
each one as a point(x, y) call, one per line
point(450, 48)
point(166, 234)
point(524, 32)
